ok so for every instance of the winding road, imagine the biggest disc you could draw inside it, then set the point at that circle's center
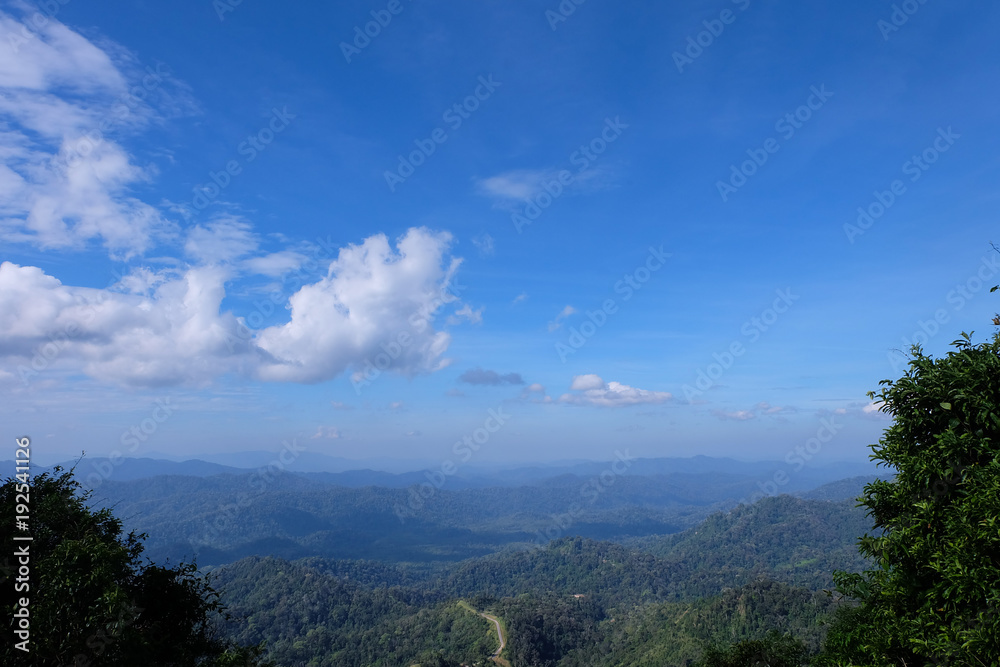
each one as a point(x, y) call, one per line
point(496, 622)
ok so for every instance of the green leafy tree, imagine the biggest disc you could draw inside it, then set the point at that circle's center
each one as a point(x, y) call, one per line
point(934, 593)
point(774, 650)
point(92, 601)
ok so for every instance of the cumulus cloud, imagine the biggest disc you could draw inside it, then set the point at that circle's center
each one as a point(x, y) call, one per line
point(593, 391)
point(66, 105)
point(371, 299)
point(65, 180)
point(586, 382)
point(167, 328)
point(487, 377)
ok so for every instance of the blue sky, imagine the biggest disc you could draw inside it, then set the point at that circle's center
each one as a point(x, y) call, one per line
point(683, 228)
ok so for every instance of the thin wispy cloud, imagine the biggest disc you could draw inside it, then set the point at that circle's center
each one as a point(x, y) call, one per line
point(555, 324)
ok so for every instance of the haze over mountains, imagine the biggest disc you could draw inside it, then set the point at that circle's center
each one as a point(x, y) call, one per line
point(214, 514)
point(801, 474)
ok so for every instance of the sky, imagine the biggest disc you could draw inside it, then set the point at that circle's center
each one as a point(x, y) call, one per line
point(552, 230)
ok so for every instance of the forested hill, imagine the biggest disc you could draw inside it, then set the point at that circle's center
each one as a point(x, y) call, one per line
point(227, 517)
point(580, 603)
point(310, 617)
point(800, 542)
point(573, 602)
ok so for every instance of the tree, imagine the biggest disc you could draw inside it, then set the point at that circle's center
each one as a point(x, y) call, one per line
point(774, 650)
point(91, 601)
point(933, 595)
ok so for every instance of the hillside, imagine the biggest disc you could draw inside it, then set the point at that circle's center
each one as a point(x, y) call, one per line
point(224, 518)
point(799, 542)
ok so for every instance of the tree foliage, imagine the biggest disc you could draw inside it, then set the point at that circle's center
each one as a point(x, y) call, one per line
point(92, 600)
point(934, 593)
point(774, 650)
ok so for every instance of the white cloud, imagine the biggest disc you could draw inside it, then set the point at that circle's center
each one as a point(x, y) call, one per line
point(512, 189)
point(762, 409)
point(176, 335)
point(370, 297)
point(595, 392)
point(167, 328)
point(535, 393)
point(586, 382)
point(486, 244)
point(326, 433)
point(519, 185)
point(866, 410)
point(466, 313)
point(736, 415)
point(558, 321)
point(65, 180)
point(275, 264)
point(223, 240)
point(519, 298)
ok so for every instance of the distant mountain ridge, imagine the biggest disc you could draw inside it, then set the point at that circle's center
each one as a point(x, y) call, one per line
point(310, 464)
